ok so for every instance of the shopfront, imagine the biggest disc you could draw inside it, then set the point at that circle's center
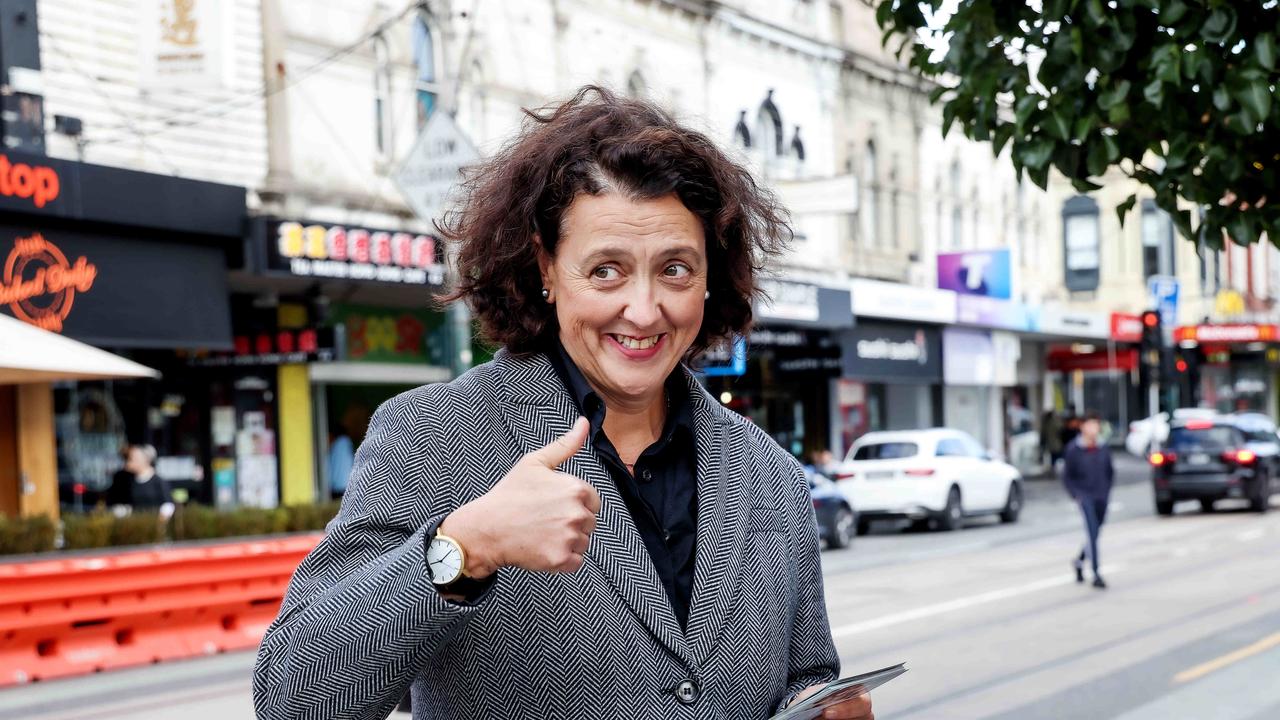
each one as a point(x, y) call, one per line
point(788, 365)
point(372, 291)
point(979, 368)
point(1097, 371)
point(892, 379)
point(1236, 365)
point(137, 264)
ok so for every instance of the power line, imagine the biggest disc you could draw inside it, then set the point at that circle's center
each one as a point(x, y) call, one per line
point(190, 118)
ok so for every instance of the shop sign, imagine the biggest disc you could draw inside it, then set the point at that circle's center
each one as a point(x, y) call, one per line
point(319, 250)
point(39, 284)
point(36, 184)
point(984, 273)
point(186, 44)
point(1126, 327)
point(1057, 321)
point(1238, 333)
point(114, 291)
point(725, 361)
point(375, 334)
point(1065, 360)
point(1228, 304)
point(282, 347)
point(886, 351)
point(804, 304)
point(991, 312)
point(1164, 291)
point(896, 301)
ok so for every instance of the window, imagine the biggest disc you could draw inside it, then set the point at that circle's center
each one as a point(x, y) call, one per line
point(424, 59)
point(951, 447)
point(1157, 241)
point(1185, 439)
point(886, 451)
point(1080, 243)
point(870, 195)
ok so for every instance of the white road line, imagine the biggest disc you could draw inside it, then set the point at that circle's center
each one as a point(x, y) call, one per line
point(892, 619)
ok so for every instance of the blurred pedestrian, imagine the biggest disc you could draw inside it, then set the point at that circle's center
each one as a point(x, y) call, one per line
point(137, 486)
point(484, 556)
point(1088, 473)
point(1051, 436)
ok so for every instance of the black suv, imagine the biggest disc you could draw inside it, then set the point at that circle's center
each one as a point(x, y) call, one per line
point(1210, 460)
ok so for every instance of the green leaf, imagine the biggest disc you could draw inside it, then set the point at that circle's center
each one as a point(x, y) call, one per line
point(1077, 42)
point(1154, 92)
point(1241, 229)
point(1221, 98)
point(1097, 13)
point(1023, 108)
point(1182, 221)
point(1059, 125)
point(1254, 96)
point(1118, 114)
point(1085, 125)
point(1039, 176)
point(1035, 154)
point(948, 117)
point(1264, 49)
point(1002, 136)
point(1096, 161)
point(1168, 63)
point(1171, 11)
point(1122, 210)
point(1220, 26)
point(1114, 96)
point(1084, 186)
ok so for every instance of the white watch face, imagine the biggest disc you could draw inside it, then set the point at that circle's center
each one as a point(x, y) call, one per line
point(445, 561)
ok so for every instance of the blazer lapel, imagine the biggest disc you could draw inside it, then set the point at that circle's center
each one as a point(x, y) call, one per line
point(540, 411)
point(722, 520)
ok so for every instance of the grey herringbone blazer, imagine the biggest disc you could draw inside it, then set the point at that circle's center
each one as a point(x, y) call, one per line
point(361, 621)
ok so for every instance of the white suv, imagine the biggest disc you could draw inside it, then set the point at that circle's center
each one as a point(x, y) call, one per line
point(937, 476)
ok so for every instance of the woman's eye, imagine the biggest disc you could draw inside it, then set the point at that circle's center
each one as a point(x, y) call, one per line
point(677, 270)
point(605, 272)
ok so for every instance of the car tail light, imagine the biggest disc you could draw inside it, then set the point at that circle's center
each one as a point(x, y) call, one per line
point(918, 472)
point(78, 488)
point(1240, 457)
point(844, 475)
point(1199, 424)
point(1160, 459)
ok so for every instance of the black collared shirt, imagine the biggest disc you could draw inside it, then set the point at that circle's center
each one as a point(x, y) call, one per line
point(661, 495)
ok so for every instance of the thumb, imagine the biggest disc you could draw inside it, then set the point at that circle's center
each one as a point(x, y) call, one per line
point(564, 447)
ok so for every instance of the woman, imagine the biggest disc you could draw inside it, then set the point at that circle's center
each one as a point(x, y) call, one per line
point(136, 485)
point(575, 529)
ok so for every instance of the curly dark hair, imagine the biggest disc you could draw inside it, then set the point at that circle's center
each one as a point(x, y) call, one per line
point(594, 141)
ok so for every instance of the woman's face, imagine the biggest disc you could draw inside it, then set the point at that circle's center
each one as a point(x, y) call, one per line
point(627, 282)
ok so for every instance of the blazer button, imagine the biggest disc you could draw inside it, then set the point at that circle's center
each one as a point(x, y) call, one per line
point(688, 692)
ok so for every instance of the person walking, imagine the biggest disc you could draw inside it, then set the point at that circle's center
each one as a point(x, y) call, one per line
point(576, 529)
point(1088, 473)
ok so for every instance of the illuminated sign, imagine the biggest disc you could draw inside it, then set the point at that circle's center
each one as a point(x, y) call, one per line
point(1227, 333)
point(320, 250)
point(36, 183)
point(39, 283)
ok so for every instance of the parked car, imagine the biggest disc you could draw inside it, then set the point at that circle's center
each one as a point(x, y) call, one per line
point(837, 521)
point(1213, 459)
point(939, 477)
point(1147, 434)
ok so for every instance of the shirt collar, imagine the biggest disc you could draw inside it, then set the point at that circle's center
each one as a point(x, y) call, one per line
point(679, 413)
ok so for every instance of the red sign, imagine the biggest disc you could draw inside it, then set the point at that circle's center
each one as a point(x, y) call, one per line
point(39, 284)
point(1226, 333)
point(1063, 360)
point(1126, 328)
point(36, 183)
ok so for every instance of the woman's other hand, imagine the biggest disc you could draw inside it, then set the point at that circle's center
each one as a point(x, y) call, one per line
point(535, 517)
point(857, 708)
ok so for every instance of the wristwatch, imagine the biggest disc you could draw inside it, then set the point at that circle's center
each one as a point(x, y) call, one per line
point(446, 560)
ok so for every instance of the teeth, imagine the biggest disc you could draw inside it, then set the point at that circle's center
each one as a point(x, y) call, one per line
point(640, 344)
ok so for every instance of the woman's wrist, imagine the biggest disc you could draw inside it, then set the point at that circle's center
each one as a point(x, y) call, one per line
point(479, 551)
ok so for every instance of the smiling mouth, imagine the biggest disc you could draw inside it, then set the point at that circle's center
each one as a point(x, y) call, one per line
point(635, 343)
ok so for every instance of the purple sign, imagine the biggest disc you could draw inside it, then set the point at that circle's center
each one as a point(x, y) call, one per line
point(985, 273)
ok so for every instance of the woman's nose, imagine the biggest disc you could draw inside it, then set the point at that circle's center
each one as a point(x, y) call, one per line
point(642, 309)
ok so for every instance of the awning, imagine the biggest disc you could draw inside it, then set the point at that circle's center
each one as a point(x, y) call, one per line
point(29, 354)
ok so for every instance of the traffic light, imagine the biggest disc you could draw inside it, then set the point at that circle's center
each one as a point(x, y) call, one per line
point(1153, 368)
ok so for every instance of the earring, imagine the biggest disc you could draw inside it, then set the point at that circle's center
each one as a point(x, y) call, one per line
point(545, 293)
point(706, 295)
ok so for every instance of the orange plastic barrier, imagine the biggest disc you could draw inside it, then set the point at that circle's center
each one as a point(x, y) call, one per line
point(87, 614)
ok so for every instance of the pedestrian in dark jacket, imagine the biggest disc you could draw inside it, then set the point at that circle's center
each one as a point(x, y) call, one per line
point(1087, 472)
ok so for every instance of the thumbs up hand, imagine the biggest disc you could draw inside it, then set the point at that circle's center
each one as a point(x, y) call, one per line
point(535, 517)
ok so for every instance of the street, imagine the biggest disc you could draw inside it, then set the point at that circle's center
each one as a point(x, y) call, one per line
point(989, 619)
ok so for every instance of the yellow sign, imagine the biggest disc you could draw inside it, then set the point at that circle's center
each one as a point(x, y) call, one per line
point(1228, 304)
